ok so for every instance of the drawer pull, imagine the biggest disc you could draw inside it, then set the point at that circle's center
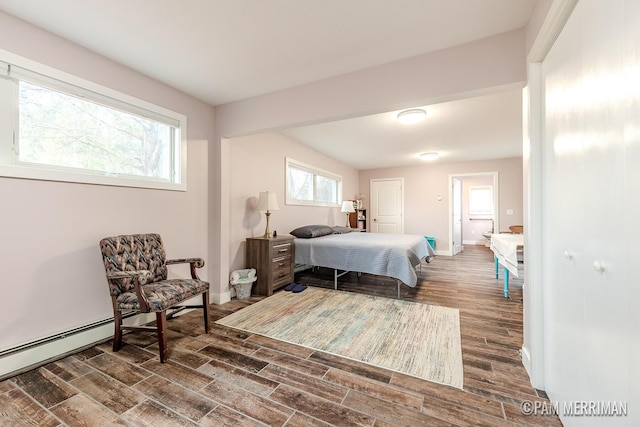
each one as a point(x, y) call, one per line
point(283, 250)
point(281, 264)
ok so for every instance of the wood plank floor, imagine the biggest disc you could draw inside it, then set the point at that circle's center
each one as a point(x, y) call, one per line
point(230, 378)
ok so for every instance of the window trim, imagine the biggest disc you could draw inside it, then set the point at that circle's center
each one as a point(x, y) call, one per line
point(315, 171)
point(37, 73)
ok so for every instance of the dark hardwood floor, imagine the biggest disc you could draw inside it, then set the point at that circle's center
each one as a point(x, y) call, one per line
point(230, 378)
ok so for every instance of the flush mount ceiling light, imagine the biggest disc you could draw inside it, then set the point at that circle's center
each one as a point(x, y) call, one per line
point(429, 156)
point(414, 115)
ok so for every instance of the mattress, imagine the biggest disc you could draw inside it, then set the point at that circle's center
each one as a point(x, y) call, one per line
point(392, 255)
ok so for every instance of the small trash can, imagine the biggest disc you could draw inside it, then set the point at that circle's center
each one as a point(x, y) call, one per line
point(242, 281)
point(432, 241)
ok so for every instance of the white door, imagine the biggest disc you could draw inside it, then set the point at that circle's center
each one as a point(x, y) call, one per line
point(456, 195)
point(386, 206)
point(590, 210)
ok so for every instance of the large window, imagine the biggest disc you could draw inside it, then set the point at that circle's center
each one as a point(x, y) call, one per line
point(308, 185)
point(61, 128)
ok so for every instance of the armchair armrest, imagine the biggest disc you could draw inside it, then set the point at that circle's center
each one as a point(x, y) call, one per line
point(143, 276)
point(194, 263)
point(140, 277)
point(199, 262)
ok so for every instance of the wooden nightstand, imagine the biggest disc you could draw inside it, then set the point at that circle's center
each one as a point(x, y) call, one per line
point(273, 259)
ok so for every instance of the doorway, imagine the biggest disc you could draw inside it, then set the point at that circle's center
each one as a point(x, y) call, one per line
point(456, 208)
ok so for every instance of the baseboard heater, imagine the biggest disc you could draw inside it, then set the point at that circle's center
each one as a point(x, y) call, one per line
point(33, 354)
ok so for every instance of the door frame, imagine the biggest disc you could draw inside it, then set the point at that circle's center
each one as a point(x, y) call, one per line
point(496, 206)
point(533, 347)
point(454, 202)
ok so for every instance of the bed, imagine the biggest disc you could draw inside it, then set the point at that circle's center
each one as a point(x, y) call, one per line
point(391, 255)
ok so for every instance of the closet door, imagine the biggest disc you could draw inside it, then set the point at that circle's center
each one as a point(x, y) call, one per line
point(564, 224)
point(603, 104)
point(631, 206)
point(589, 76)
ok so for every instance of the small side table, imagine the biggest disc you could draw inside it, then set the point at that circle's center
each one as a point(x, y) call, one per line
point(274, 259)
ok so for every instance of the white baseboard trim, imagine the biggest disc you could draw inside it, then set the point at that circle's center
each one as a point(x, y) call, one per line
point(31, 355)
point(38, 355)
point(474, 242)
point(220, 298)
point(526, 359)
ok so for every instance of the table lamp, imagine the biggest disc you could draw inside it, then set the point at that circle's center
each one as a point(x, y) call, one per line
point(267, 201)
point(347, 207)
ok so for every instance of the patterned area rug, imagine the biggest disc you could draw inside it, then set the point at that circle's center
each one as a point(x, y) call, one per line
point(415, 339)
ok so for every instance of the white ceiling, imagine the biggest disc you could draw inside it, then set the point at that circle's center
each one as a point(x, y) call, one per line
point(480, 128)
point(226, 50)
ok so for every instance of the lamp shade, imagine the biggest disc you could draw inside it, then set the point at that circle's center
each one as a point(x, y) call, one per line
point(267, 201)
point(347, 206)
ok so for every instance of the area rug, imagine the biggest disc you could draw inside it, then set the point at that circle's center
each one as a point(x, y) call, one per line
point(415, 339)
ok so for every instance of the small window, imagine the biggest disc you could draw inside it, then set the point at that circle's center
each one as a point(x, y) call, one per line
point(307, 185)
point(481, 200)
point(66, 132)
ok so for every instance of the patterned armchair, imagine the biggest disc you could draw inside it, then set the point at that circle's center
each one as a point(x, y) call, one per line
point(136, 268)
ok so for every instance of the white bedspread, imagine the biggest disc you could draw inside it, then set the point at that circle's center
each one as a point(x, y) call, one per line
point(393, 255)
point(505, 248)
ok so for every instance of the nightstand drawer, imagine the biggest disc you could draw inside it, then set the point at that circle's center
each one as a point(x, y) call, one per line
point(281, 250)
point(281, 277)
point(281, 263)
point(281, 269)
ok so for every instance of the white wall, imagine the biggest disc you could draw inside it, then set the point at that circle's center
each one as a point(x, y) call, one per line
point(257, 164)
point(51, 267)
point(426, 194)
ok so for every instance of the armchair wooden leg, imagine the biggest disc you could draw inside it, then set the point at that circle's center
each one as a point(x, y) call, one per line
point(117, 335)
point(205, 309)
point(161, 324)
